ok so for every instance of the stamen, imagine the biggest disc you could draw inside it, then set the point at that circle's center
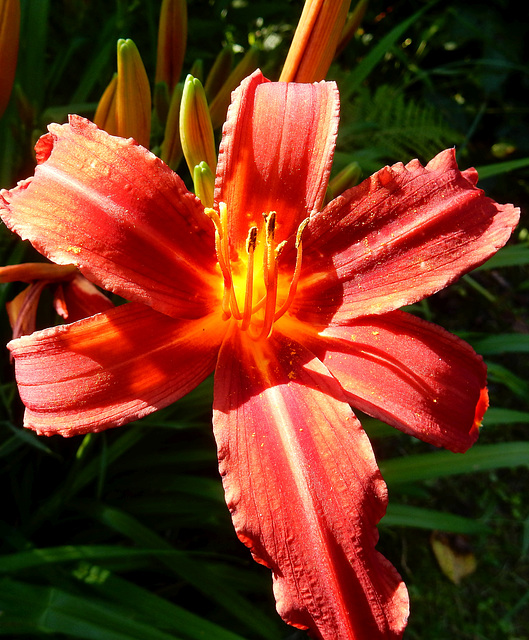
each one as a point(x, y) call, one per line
point(297, 271)
point(225, 247)
point(259, 325)
point(251, 243)
point(270, 276)
point(224, 266)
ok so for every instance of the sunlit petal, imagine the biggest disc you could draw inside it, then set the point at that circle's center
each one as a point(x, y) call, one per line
point(120, 215)
point(304, 490)
point(111, 368)
point(409, 373)
point(79, 299)
point(403, 234)
point(276, 153)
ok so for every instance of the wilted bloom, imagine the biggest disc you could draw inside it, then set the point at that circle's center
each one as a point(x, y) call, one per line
point(74, 297)
point(314, 44)
point(294, 307)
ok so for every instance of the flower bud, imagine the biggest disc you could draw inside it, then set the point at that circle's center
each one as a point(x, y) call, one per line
point(314, 44)
point(171, 151)
point(204, 182)
point(348, 177)
point(133, 95)
point(352, 25)
point(219, 107)
point(105, 115)
point(9, 36)
point(219, 72)
point(172, 41)
point(196, 131)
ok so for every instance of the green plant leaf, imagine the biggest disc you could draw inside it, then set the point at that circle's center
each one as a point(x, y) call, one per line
point(428, 466)
point(501, 343)
point(194, 571)
point(403, 515)
point(497, 415)
point(489, 170)
point(29, 608)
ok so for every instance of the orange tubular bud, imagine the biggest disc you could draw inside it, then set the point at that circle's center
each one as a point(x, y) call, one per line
point(219, 107)
point(172, 41)
point(196, 131)
point(133, 95)
point(9, 36)
point(352, 25)
point(171, 151)
point(219, 72)
point(315, 40)
point(105, 115)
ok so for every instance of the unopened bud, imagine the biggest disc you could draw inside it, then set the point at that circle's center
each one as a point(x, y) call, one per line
point(314, 44)
point(172, 41)
point(352, 25)
point(133, 95)
point(9, 37)
point(196, 131)
point(219, 72)
point(171, 151)
point(105, 115)
point(219, 107)
point(204, 183)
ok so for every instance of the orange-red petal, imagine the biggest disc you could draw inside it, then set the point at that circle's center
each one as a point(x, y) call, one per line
point(276, 153)
point(304, 490)
point(409, 373)
point(79, 298)
point(22, 310)
point(111, 368)
point(403, 234)
point(119, 214)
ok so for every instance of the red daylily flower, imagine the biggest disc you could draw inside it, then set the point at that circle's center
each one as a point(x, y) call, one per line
point(296, 310)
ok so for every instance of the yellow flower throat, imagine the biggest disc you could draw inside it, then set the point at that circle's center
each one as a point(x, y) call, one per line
point(252, 283)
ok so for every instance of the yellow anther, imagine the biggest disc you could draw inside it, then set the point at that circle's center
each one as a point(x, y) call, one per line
point(251, 241)
point(240, 274)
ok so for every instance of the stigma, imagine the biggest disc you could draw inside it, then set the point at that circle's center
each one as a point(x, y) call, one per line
point(256, 293)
